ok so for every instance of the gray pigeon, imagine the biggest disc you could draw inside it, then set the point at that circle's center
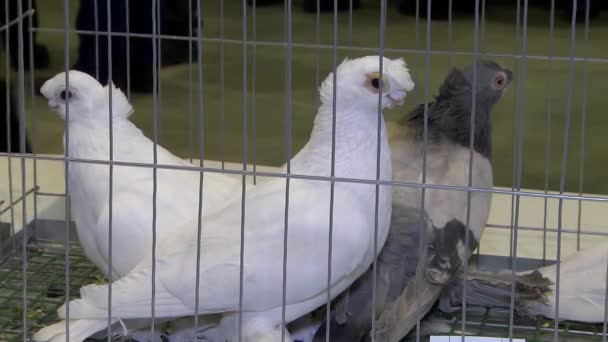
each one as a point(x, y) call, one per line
point(444, 219)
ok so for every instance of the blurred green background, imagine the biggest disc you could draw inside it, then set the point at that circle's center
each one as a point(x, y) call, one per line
point(498, 35)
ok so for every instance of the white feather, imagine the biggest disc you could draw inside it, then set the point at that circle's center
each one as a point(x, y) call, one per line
point(582, 292)
point(177, 191)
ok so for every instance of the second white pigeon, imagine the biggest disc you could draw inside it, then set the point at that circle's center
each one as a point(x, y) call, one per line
point(177, 192)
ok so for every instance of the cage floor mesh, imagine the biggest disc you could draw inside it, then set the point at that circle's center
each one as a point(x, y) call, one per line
point(495, 323)
point(45, 288)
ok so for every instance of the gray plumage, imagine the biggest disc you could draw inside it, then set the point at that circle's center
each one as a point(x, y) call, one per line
point(494, 290)
point(352, 310)
point(443, 244)
point(582, 292)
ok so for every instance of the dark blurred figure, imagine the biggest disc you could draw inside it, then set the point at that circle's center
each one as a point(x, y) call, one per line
point(264, 2)
point(177, 24)
point(328, 5)
point(581, 6)
point(141, 49)
point(439, 8)
point(9, 132)
point(41, 53)
point(311, 5)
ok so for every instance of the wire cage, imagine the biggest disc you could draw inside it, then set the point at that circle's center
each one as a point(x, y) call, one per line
point(247, 66)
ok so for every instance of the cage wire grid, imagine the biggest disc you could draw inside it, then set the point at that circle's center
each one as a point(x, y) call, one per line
point(38, 274)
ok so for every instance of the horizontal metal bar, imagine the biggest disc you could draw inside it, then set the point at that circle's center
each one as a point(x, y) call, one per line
point(50, 194)
point(19, 199)
point(321, 46)
point(523, 327)
point(306, 177)
point(17, 20)
point(553, 230)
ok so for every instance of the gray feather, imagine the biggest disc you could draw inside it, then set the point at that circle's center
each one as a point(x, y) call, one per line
point(494, 290)
point(449, 117)
point(449, 124)
point(396, 265)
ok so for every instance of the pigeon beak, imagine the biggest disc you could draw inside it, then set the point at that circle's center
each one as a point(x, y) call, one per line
point(509, 75)
point(396, 97)
point(53, 104)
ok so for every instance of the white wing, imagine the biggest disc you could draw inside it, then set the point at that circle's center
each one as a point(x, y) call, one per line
point(582, 292)
point(263, 270)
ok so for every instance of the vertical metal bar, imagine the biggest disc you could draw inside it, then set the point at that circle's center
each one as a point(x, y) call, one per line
point(128, 46)
point(96, 25)
point(222, 114)
point(190, 90)
point(605, 328)
point(350, 28)
point(32, 112)
point(111, 166)
point(422, 233)
point(332, 184)
point(155, 96)
point(244, 176)
point(417, 31)
point(158, 52)
point(318, 54)
point(515, 132)
point(548, 126)
point(8, 124)
point(470, 170)
point(483, 27)
point(483, 50)
point(581, 165)
point(564, 163)
point(450, 33)
point(21, 110)
point(288, 81)
point(520, 152)
point(253, 93)
point(378, 152)
point(66, 65)
point(201, 152)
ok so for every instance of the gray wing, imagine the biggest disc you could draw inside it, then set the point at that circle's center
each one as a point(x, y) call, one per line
point(351, 317)
point(494, 290)
point(439, 263)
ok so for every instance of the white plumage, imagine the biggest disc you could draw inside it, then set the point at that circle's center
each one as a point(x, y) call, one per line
point(132, 200)
point(309, 217)
point(582, 289)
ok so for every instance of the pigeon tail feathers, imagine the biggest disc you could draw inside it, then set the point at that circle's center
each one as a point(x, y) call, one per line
point(79, 330)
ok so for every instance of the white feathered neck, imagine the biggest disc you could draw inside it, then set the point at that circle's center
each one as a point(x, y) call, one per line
point(356, 137)
point(120, 104)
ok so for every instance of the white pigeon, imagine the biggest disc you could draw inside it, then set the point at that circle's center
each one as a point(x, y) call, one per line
point(582, 289)
point(445, 217)
point(177, 191)
point(352, 243)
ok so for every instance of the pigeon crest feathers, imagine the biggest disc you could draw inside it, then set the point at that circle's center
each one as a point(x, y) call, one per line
point(84, 97)
point(359, 81)
point(120, 104)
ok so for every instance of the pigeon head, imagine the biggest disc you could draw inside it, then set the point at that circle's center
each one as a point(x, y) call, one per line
point(86, 98)
point(359, 83)
point(491, 81)
point(457, 92)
